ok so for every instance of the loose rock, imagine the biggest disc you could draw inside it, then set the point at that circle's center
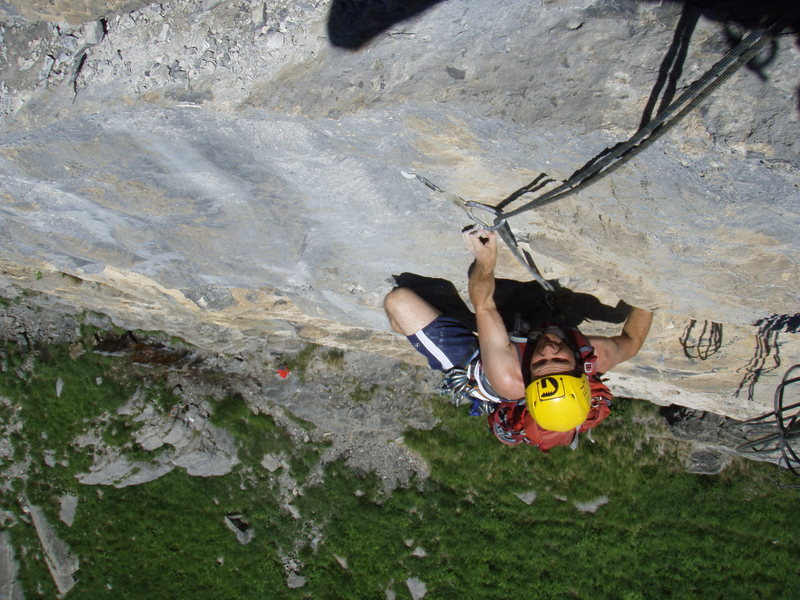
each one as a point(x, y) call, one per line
point(527, 497)
point(69, 505)
point(61, 562)
point(591, 506)
point(416, 588)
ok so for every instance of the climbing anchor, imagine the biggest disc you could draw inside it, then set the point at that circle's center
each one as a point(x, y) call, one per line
point(498, 224)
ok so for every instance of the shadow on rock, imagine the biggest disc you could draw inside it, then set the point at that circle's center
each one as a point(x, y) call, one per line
point(736, 16)
point(353, 23)
point(527, 301)
point(143, 352)
point(745, 13)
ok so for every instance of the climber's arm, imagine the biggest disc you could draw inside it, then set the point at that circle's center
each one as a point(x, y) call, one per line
point(498, 354)
point(611, 351)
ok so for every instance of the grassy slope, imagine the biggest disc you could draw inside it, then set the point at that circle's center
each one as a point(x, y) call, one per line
point(662, 533)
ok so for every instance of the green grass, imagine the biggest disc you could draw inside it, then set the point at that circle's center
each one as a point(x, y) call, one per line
point(334, 359)
point(361, 392)
point(663, 532)
point(298, 362)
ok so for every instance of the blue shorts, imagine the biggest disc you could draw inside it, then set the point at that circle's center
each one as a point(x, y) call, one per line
point(446, 343)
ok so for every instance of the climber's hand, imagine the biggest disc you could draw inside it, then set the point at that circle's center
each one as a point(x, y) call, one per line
point(483, 246)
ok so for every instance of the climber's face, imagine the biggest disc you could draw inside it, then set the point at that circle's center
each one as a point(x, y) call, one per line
point(551, 355)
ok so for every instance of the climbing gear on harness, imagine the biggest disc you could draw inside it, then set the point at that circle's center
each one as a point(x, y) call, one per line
point(559, 402)
point(512, 424)
point(457, 383)
point(460, 388)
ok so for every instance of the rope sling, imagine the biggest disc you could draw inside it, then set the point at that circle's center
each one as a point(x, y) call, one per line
point(610, 159)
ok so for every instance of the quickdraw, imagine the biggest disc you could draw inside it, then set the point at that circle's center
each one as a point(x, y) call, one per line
point(609, 160)
point(498, 225)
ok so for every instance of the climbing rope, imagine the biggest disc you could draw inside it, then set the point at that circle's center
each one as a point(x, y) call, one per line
point(611, 159)
point(788, 417)
point(783, 425)
point(502, 229)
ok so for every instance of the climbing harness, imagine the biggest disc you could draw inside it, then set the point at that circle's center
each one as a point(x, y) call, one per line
point(611, 159)
point(511, 421)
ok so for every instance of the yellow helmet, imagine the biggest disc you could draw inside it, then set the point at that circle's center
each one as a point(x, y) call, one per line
point(559, 402)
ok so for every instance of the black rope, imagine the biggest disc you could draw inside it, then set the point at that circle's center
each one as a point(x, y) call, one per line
point(783, 424)
point(788, 418)
point(534, 186)
point(610, 160)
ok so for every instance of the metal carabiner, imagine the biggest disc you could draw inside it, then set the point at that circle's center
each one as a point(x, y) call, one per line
point(497, 223)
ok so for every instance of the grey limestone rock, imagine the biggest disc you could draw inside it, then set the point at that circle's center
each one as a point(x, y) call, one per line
point(592, 505)
point(204, 450)
point(61, 562)
point(416, 587)
point(238, 525)
point(295, 581)
point(242, 180)
point(68, 507)
point(271, 463)
point(120, 471)
point(50, 458)
point(212, 454)
point(527, 497)
point(10, 587)
point(707, 461)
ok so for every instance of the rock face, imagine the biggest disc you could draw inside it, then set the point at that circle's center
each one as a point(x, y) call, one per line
point(70, 11)
point(714, 439)
point(186, 437)
point(232, 172)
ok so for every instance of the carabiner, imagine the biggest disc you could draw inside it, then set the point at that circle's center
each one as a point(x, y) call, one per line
point(498, 222)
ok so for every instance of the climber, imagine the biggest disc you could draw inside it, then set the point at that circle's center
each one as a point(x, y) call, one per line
point(543, 392)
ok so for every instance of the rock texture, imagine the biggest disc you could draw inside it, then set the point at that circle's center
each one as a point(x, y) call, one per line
point(61, 562)
point(10, 587)
point(184, 434)
point(714, 439)
point(230, 172)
